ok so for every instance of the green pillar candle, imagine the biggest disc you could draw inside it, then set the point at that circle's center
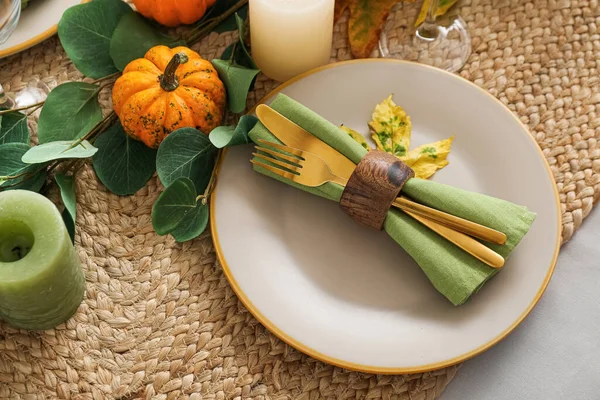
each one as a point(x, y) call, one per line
point(41, 279)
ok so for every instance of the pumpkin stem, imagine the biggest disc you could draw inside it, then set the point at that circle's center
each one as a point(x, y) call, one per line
point(168, 81)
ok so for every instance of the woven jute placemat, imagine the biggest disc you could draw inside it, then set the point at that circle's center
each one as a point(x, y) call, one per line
point(159, 319)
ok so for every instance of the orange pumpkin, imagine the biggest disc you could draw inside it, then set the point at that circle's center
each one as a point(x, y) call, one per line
point(173, 12)
point(166, 90)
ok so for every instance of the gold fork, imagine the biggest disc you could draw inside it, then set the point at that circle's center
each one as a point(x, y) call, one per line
point(311, 170)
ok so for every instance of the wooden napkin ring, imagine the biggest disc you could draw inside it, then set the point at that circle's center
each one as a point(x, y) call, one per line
point(373, 187)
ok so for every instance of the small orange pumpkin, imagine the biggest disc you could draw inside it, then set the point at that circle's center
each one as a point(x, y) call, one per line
point(166, 90)
point(173, 12)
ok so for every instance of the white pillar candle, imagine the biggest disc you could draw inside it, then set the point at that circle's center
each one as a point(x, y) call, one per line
point(289, 37)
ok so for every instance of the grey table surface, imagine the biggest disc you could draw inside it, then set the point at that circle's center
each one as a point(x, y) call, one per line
point(555, 352)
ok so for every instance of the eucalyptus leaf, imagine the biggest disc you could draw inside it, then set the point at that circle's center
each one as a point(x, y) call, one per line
point(66, 183)
point(11, 165)
point(58, 150)
point(193, 224)
point(172, 205)
point(69, 224)
point(133, 37)
point(230, 24)
point(71, 110)
point(222, 135)
point(188, 153)
point(247, 60)
point(237, 80)
point(13, 128)
point(69, 199)
point(123, 164)
point(227, 136)
point(85, 31)
point(237, 53)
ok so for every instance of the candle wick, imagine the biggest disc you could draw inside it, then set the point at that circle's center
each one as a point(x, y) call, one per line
point(17, 251)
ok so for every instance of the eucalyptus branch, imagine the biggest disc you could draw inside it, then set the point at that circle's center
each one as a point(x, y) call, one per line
point(69, 165)
point(198, 34)
point(4, 187)
point(78, 164)
point(41, 103)
point(108, 120)
point(11, 177)
point(24, 175)
point(104, 85)
point(98, 128)
point(74, 163)
point(107, 77)
point(212, 182)
point(34, 110)
point(55, 164)
point(233, 50)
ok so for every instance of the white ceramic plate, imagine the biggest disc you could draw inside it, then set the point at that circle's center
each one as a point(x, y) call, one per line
point(351, 297)
point(36, 24)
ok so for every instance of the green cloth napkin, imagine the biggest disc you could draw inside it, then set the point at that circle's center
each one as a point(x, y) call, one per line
point(452, 271)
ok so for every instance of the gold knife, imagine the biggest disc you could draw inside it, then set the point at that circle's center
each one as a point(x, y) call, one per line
point(295, 136)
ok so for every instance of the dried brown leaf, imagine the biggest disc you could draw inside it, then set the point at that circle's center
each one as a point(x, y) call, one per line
point(366, 22)
point(340, 7)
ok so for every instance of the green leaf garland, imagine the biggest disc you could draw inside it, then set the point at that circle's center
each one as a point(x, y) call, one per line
point(102, 37)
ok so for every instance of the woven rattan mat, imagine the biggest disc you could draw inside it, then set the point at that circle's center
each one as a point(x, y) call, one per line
point(159, 320)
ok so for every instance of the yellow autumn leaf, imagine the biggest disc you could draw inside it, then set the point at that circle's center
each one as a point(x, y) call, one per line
point(391, 131)
point(425, 160)
point(356, 136)
point(390, 128)
point(443, 7)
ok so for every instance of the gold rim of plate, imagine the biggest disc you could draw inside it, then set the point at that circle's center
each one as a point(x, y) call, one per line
point(33, 41)
point(370, 368)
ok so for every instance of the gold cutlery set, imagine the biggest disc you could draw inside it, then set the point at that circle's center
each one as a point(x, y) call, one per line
point(308, 161)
